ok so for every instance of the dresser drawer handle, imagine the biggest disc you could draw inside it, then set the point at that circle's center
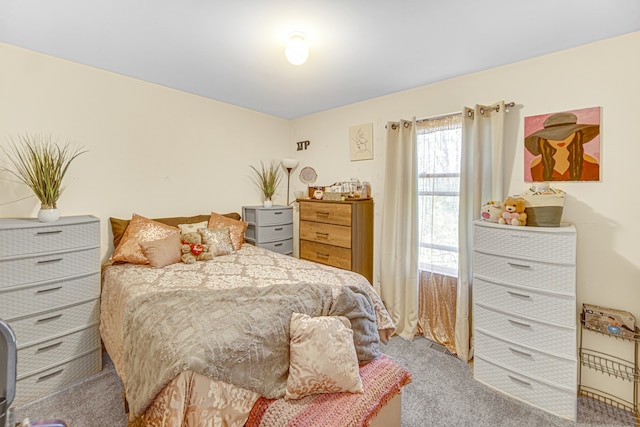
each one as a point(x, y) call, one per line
point(48, 261)
point(515, 322)
point(321, 255)
point(322, 213)
point(524, 353)
point(318, 233)
point(515, 264)
point(277, 245)
point(41, 233)
point(278, 229)
point(517, 294)
point(49, 347)
point(278, 213)
point(50, 318)
point(51, 375)
point(518, 380)
point(42, 291)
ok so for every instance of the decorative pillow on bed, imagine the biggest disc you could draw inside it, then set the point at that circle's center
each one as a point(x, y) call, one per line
point(218, 240)
point(237, 228)
point(163, 252)
point(192, 228)
point(322, 357)
point(140, 229)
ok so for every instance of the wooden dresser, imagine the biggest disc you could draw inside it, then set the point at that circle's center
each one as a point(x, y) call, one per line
point(270, 228)
point(50, 297)
point(524, 314)
point(338, 233)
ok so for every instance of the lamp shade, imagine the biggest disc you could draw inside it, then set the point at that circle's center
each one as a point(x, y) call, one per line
point(296, 49)
point(289, 163)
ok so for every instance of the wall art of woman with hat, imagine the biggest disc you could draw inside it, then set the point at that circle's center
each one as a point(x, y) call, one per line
point(559, 146)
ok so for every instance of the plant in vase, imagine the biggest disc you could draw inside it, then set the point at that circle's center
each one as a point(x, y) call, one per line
point(267, 180)
point(40, 163)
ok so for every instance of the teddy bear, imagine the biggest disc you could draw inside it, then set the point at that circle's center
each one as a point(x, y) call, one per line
point(193, 250)
point(513, 212)
point(491, 211)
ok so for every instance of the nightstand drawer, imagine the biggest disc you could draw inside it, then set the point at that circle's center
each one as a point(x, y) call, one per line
point(270, 216)
point(39, 268)
point(337, 235)
point(552, 277)
point(38, 357)
point(48, 296)
point(326, 254)
point(330, 213)
point(54, 323)
point(269, 234)
point(557, 309)
point(542, 336)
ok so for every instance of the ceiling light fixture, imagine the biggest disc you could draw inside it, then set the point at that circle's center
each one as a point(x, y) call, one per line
point(296, 49)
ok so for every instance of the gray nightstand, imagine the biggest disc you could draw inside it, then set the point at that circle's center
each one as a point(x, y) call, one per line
point(270, 228)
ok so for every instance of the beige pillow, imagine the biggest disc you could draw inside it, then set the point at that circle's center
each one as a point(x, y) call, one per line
point(140, 229)
point(322, 357)
point(218, 239)
point(192, 228)
point(237, 228)
point(163, 252)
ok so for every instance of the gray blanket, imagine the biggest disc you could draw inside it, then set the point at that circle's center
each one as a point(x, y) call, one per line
point(239, 336)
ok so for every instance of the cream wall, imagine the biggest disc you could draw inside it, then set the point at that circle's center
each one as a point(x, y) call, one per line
point(605, 74)
point(152, 150)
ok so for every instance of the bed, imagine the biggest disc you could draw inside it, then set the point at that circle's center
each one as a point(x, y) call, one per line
point(228, 359)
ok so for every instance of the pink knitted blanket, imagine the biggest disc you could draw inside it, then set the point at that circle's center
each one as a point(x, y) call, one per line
point(382, 379)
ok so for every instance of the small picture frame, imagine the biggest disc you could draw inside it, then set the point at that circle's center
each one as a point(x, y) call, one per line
point(361, 142)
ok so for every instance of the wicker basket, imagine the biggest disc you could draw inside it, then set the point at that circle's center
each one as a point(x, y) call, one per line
point(543, 210)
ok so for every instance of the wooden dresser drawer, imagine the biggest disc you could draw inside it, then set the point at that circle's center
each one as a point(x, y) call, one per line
point(553, 277)
point(545, 337)
point(28, 236)
point(337, 235)
point(26, 300)
point(53, 379)
point(552, 308)
point(330, 213)
point(20, 271)
point(326, 254)
point(54, 323)
point(560, 401)
point(560, 371)
point(35, 358)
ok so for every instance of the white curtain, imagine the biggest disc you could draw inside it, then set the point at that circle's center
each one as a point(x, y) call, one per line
point(399, 242)
point(481, 180)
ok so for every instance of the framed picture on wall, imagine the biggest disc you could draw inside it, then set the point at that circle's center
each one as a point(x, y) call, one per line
point(361, 142)
point(562, 146)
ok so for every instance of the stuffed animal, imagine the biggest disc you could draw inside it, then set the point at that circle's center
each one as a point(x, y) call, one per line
point(193, 250)
point(491, 211)
point(513, 212)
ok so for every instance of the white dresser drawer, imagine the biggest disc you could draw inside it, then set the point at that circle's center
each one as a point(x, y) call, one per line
point(555, 244)
point(50, 380)
point(25, 300)
point(554, 370)
point(268, 216)
point(552, 277)
point(283, 246)
point(269, 233)
point(35, 358)
point(552, 308)
point(531, 333)
point(54, 323)
point(559, 401)
point(29, 236)
point(20, 271)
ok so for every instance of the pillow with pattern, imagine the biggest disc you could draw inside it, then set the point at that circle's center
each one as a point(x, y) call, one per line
point(140, 229)
point(218, 240)
point(237, 228)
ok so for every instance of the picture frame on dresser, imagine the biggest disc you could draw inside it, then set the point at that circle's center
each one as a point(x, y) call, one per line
point(524, 314)
point(50, 298)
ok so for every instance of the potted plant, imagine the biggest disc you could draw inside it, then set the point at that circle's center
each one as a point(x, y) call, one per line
point(267, 180)
point(40, 163)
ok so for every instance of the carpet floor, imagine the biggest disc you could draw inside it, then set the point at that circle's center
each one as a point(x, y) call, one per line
point(443, 393)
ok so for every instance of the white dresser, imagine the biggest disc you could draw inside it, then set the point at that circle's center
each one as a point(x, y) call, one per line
point(270, 228)
point(49, 296)
point(524, 314)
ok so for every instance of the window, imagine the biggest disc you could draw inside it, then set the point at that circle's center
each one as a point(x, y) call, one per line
point(439, 146)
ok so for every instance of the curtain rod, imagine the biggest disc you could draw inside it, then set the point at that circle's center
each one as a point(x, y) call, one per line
point(495, 107)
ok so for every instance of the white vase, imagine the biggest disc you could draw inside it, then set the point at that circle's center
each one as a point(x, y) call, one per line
point(267, 203)
point(47, 213)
